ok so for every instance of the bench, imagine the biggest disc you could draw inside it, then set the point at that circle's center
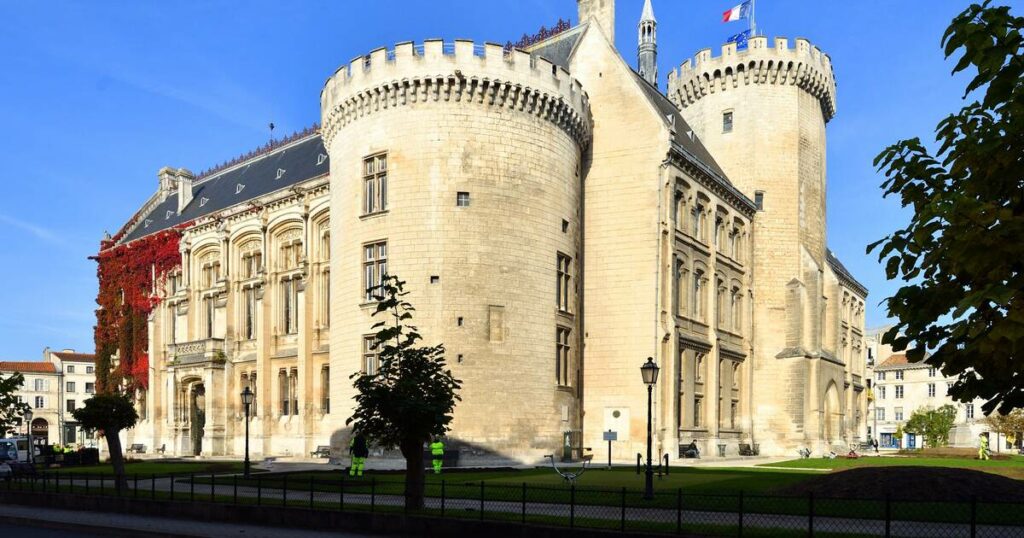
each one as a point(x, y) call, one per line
point(322, 451)
point(137, 448)
point(161, 450)
point(747, 450)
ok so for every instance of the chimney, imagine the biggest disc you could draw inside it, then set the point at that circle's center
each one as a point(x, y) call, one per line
point(168, 181)
point(185, 179)
point(603, 14)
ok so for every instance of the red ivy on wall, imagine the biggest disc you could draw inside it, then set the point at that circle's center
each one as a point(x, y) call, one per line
point(128, 276)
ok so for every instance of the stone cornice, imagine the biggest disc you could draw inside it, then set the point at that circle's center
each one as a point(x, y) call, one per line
point(680, 157)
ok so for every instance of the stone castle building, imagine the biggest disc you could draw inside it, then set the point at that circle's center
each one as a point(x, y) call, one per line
point(558, 220)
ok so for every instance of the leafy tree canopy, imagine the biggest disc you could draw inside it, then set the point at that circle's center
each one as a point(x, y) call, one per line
point(933, 424)
point(412, 395)
point(11, 409)
point(961, 257)
point(1011, 423)
point(110, 413)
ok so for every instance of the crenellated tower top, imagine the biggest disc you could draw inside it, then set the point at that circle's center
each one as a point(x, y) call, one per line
point(804, 66)
point(459, 72)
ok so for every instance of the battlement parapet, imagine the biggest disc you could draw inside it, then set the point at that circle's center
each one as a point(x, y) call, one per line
point(803, 65)
point(459, 72)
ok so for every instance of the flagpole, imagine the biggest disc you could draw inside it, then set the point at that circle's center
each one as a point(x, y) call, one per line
point(753, 18)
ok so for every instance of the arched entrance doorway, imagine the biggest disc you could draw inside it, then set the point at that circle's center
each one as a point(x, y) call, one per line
point(40, 431)
point(833, 414)
point(197, 417)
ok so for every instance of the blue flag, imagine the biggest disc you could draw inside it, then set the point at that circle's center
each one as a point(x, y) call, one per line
point(740, 39)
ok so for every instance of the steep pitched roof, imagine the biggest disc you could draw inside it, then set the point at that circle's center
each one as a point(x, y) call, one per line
point(75, 357)
point(558, 49)
point(28, 367)
point(283, 167)
point(648, 13)
point(844, 274)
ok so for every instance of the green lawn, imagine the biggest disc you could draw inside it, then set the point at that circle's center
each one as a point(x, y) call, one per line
point(144, 468)
point(1013, 467)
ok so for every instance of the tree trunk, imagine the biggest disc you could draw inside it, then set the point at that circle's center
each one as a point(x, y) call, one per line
point(116, 459)
point(412, 449)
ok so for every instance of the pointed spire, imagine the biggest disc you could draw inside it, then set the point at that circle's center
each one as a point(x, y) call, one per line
point(648, 14)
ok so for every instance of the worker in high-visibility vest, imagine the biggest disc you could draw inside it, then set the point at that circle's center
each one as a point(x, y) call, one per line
point(359, 449)
point(983, 447)
point(437, 452)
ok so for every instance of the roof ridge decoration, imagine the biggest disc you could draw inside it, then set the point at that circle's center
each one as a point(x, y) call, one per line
point(543, 34)
point(260, 151)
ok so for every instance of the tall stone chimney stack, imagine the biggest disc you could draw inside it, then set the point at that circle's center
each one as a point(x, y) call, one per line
point(168, 181)
point(185, 179)
point(603, 14)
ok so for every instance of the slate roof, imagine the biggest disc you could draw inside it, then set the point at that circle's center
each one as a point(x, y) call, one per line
point(28, 367)
point(558, 49)
point(843, 273)
point(283, 167)
point(75, 357)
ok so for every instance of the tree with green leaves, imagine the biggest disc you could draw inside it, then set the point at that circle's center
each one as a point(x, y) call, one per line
point(110, 413)
point(11, 408)
point(1011, 423)
point(961, 257)
point(933, 424)
point(412, 395)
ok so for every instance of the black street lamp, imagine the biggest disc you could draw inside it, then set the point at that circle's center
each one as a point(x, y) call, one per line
point(650, 374)
point(28, 431)
point(247, 402)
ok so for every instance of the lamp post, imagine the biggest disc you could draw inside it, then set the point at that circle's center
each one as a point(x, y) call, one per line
point(28, 430)
point(649, 371)
point(246, 402)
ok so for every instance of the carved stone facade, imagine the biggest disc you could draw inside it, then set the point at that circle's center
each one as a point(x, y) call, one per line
point(558, 220)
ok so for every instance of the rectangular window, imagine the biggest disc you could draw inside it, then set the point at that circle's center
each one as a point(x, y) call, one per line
point(898, 413)
point(563, 357)
point(290, 305)
point(40, 402)
point(70, 406)
point(881, 393)
point(249, 313)
point(969, 411)
point(89, 369)
point(899, 374)
point(899, 392)
point(209, 306)
point(90, 388)
point(733, 412)
point(931, 372)
point(564, 284)
point(727, 122)
point(759, 200)
point(931, 390)
point(255, 397)
point(40, 385)
point(371, 355)
point(697, 301)
point(251, 263)
point(880, 376)
point(325, 298)
point(698, 367)
point(880, 413)
point(325, 389)
point(375, 268)
point(293, 390)
point(172, 323)
point(697, 221)
point(283, 385)
point(70, 386)
point(71, 368)
point(736, 308)
point(462, 199)
point(719, 230)
point(375, 184)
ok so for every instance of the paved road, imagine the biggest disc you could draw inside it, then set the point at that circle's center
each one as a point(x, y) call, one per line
point(41, 532)
point(17, 521)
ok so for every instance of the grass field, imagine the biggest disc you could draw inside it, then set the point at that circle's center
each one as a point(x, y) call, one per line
point(1012, 467)
point(145, 468)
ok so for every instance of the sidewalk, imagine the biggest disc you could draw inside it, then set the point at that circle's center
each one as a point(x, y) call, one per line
point(111, 524)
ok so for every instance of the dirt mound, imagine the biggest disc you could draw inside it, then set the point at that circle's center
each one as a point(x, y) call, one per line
point(911, 483)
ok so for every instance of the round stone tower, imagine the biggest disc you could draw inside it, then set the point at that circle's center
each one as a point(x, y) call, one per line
point(456, 167)
point(762, 114)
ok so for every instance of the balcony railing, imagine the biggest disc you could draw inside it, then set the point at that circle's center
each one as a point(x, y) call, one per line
point(199, 351)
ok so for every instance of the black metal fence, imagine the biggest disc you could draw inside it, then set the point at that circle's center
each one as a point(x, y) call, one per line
point(669, 512)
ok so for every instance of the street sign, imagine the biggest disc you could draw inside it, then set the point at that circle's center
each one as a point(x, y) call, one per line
point(611, 436)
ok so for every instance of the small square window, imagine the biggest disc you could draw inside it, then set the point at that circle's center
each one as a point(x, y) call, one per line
point(435, 279)
point(462, 199)
point(727, 122)
point(759, 200)
point(460, 321)
point(565, 226)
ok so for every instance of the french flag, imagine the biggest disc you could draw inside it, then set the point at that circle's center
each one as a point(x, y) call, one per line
point(741, 11)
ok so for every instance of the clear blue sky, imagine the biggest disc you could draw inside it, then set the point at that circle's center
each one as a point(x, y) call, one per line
point(95, 97)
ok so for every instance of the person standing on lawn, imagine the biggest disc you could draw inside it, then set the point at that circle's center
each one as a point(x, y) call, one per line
point(874, 443)
point(359, 449)
point(983, 447)
point(437, 451)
